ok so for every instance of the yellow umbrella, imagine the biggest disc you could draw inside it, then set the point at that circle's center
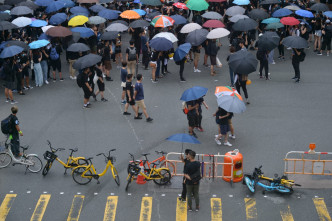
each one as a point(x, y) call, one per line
point(78, 20)
point(130, 14)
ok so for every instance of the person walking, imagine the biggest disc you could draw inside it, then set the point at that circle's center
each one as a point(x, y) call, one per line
point(131, 58)
point(222, 117)
point(192, 116)
point(130, 98)
point(185, 160)
point(213, 49)
point(9, 80)
point(153, 64)
point(124, 74)
point(231, 72)
point(262, 56)
point(106, 52)
point(196, 51)
point(145, 50)
point(327, 35)
point(200, 101)
point(139, 97)
point(55, 60)
point(15, 132)
point(100, 83)
point(87, 89)
point(241, 82)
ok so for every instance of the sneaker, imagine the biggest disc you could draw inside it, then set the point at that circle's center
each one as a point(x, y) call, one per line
point(195, 135)
point(183, 80)
point(94, 97)
point(14, 91)
point(260, 76)
point(54, 79)
point(123, 102)
point(273, 62)
point(46, 82)
point(200, 129)
point(71, 77)
point(126, 113)
point(247, 101)
point(25, 88)
point(86, 106)
point(13, 102)
point(154, 81)
point(195, 70)
point(198, 70)
point(319, 53)
point(21, 93)
point(109, 79)
point(228, 144)
point(231, 136)
point(7, 100)
point(217, 141)
point(138, 118)
point(104, 100)
point(294, 78)
point(190, 209)
point(74, 78)
point(297, 81)
point(327, 54)
point(267, 78)
point(140, 114)
point(61, 79)
point(182, 199)
point(197, 208)
point(149, 119)
point(29, 87)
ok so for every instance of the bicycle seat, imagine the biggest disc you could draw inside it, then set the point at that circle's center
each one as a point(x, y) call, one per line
point(74, 150)
point(112, 150)
point(25, 148)
point(161, 152)
point(145, 154)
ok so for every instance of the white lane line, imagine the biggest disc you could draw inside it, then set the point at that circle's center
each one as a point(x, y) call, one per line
point(214, 195)
point(95, 194)
point(61, 193)
point(29, 191)
point(112, 194)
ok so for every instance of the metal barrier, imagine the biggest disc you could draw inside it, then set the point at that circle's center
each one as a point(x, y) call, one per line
point(211, 165)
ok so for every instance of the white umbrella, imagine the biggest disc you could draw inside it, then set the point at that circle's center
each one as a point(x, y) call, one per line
point(45, 28)
point(212, 15)
point(190, 27)
point(293, 7)
point(21, 21)
point(96, 20)
point(117, 27)
point(218, 33)
point(235, 18)
point(235, 10)
point(167, 35)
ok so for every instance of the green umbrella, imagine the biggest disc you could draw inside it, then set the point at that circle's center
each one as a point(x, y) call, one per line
point(274, 25)
point(197, 5)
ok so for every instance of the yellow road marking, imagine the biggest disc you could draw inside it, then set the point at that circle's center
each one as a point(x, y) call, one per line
point(216, 209)
point(323, 214)
point(146, 209)
point(251, 210)
point(6, 205)
point(181, 210)
point(76, 207)
point(40, 207)
point(286, 214)
point(110, 209)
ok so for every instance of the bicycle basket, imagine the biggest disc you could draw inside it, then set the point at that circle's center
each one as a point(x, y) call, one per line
point(50, 156)
point(134, 170)
point(113, 159)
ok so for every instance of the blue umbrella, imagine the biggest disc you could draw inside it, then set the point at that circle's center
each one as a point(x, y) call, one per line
point(3, 45)
point(179, 20)
point(79, 9)
point(84, 32)
point(181, 51)
point(38, 44)
point(108, 14)
point(137, 1)
point(271, 20)
point(97, 8)
point(44, 36)
point(282, 12)
point(193, 93)
point(183, 138)
point(38, 23)
point(161, 44)
point(58, 18)
point(11, 51)
point(328, 14)
point(68, 3)
point(55, 6)
point(43, 3)
point(304, 13)
point(140, 12)
point(241, 2)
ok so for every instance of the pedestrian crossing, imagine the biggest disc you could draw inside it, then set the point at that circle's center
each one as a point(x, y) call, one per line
point(252, 211)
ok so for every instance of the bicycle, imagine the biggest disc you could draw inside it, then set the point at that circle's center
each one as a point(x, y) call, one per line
point(160, 176)
point(72, 162)
point(163, 163)
point(280, 184)
point(31, 161)
point(84, 174)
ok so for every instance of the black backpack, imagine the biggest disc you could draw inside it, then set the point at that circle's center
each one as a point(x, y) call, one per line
point(79, 80)
point(6, 125)
point(302, 56)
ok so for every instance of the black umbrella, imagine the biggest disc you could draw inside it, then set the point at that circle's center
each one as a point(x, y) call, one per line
point(21, 10)
point(197, 37)
point(243, 62)
point(11, 51)
point(18, 43)
point(151, 2)
point(295, 42)
point(31, 5)
point(5, 7)
point(121, 22)
point(153, 14)
point(78, 47)
point(13, 2)
point(4, 16)
point(245, 24)
point(110, 35)
point(87, 61)
point(269, 2)
point(258, 14)
point(5, 25)
point(319, 7)
point(139, 24)
point(268, 41)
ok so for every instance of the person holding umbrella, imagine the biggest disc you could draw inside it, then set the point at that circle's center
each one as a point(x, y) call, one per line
point(296, 59)
point(86, 87)
point(37, 57)
point(222, 117)
point(213, 51)
point(9, 80)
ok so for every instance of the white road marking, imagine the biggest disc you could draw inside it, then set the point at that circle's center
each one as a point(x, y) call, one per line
point(28, 191)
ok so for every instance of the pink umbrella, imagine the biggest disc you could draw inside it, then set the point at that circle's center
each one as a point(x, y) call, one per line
point(289, 21)
point(213, 24)
point(181, 5)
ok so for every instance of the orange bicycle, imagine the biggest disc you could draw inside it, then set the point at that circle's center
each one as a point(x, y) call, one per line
point(161, 161)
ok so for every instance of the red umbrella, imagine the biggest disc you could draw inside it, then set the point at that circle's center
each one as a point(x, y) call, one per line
point(181, 5)
point(213, 24)
point(289, 21)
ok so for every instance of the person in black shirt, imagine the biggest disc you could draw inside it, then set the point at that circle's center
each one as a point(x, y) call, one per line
point(296, 63)
point(15, 133)
point(86, 87)
point(9, 80)
point(222, 117)
point(100, 82)
point(192, 116)
point(25, 70)
point(130, 97)
point(186, 161)
point(200, 101)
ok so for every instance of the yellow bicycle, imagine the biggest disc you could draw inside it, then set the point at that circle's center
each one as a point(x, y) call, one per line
point(84, 174)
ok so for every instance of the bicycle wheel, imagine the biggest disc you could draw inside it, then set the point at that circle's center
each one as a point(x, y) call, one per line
point(5, 160)
point(115, 176)
point(37, 164)
point(165, 177)
point(250, 184)
point(77, 175)
point(47, 168)
point(80, 162)
point(170, 166)
point(129, 179)
point(284, 189)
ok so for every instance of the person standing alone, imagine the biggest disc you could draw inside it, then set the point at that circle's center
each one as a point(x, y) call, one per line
point(139, 97)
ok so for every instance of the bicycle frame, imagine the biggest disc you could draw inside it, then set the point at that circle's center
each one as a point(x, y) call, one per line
point(94, 172)
point(19, 161)
point(70, 160)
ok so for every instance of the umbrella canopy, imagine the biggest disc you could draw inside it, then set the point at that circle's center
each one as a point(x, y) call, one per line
point(213, 24)
point(293, 7)
point(110, 35)
point(43, 3)
point(183, 138)
point(212, 15)
point(151, 2)
point(243, 62)
point(289, 21)
point(235, 18)
point(55, 6)
point(268, 41)
point(117, 27)
point(295, 42)
point(161, 44)
point(86, 61)
point(169, 36)
point(79, 10)
point(44, 36)
point(282, 12)
point(235, 10)
point(59, 31)
point(4, 16)
point(139, 24)
point(231, 104)
point(78, 20)
point(122, 22)
point(269, 2)
point(241, 2)
point(197, 5)
point(181, 51)
point(304, 13)
point(140, 12)
point(5, 7)
point(88, 1)
point(245, 24)
point(108, 14)
point(179, 20)
point(5, 25)
point(11, 51)
point(258, 14)
point(270, 20)
point(45, 28)
point(153, 14)
point(38, 44)
point(38, 23)
point(12, 2)
point(130, 14)
point(319, 7)
point(58, 18)
point(21, 21)
point(227, 90)
point(84, 32)
point(29, 4)
point(21, 10)
point(68, 3)
point(18, 43)
point(190, 27)
point(180, 5)
point(328, 14)
point(162, 21)
point(218, 33)
point(78, 47)
point(96, 20)
point(275, 25)
point(197, 37)
point(193, 93)
point(97, 8)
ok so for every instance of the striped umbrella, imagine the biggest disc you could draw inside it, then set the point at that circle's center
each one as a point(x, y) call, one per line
point(162, 21)
point(226, 90)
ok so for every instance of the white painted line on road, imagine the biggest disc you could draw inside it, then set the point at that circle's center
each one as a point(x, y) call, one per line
point(61, 193)
point(146, 194)
point(29, 191)
point(214, 195)
point(112, 194)
point(230, 195)
point(95, 194)
point(163, 194)
point(44, 192)
point(179, 194)
point(129, 194)
point(11, 191)
point(78, 193)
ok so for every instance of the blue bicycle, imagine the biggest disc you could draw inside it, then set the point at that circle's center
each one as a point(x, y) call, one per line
point(280, 184)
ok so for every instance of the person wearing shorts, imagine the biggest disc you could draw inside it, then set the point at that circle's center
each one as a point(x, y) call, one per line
point(192, 116)
point(86, 88)
point(130, 98)
point(213, 49)
point(222, 117)
point(100, 83)
point(139, 97)
point(56, 64)
point(124, 74)
point(196, 50)
point(107, 51)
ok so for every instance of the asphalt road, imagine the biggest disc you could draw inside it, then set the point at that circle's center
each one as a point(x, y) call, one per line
point(282, 116)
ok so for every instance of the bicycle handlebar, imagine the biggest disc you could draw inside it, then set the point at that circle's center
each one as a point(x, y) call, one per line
point(161, 152)
point(54, 150)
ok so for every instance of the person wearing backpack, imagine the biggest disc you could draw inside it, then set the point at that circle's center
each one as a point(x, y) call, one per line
point(55, 60)
point(297, 57)
point(131, 58)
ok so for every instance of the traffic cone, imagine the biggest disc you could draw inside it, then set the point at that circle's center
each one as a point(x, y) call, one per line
point(140, 178)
